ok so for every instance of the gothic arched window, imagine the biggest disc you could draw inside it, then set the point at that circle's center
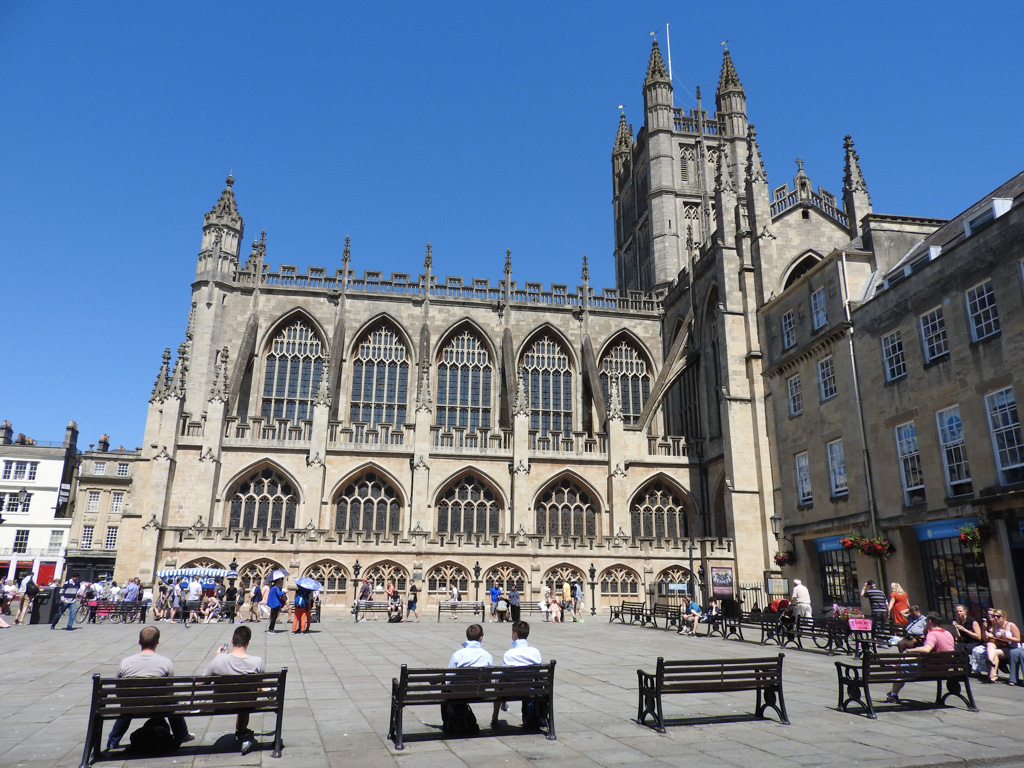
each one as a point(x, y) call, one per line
point(565, 510)
point(469, 506)
point(382, 573)
point(332, 576)
point(657, 512)
point(294, 365)
point(560, 574)
point(264, 500)
point(624, 360)
point(548, 381)
point(618, 581)
point(441, 577)
point(380, 379)
point(505, 577)
point(464, 384)
point(368, 505)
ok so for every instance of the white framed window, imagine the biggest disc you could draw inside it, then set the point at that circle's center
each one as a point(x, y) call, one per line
point(111, 541)
point(87, 532)
point(910, 463)
point(20, 541)
point(116, 502)
point(826, 378)
point(99, 467)
point(933, 335)
point(819, 316)
point(954, 451)
point(122, 469)
point(12, 505)
point(788, 323)
point(20, 470)
point(837, 468)
point(796, 398)
point(892, 356)
point(981, 310)
point(803, 478)
point(1007, 443)
point(92, 503)
point(56, 542)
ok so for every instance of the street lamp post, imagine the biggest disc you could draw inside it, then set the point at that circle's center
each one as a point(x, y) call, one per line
point(476, 580)
point(690, 589)
point(593, 576)
point(355, 580)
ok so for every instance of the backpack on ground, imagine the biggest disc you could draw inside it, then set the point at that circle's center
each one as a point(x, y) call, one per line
point(534, 710)
point(458, 719)
point(154, 738)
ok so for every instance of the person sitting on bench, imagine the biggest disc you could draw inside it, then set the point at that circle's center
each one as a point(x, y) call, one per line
point(147, 663)
point(936, 639)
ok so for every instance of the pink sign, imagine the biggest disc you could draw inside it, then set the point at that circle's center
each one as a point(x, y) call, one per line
point(860, 625)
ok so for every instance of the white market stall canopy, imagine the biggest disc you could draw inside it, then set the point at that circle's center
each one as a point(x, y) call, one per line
point(203, 574)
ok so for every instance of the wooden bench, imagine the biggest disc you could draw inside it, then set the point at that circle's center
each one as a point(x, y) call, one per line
point(713, 675)
point(415, 687)
point(454, 608)
point(634, 611)
point(145, 697)
point(949, 667)
point(672, 614)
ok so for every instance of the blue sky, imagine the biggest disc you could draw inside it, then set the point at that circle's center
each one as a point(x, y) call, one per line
point(475, 126)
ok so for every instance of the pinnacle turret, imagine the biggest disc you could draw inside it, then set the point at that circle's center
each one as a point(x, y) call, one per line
point(755, 165)
point(624, 137)
point(728, 80)
point(731, 102)
point(656, 67)
point(853, 179)
point(856, 199)
point(222, 232)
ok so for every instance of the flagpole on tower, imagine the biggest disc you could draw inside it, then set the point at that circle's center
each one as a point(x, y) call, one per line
point(668, 46)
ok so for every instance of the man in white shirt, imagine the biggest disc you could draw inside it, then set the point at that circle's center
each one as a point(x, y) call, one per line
point(456, 716)
point(195, 590)
point(472, 654)
point(520, 654)
point(801, 599)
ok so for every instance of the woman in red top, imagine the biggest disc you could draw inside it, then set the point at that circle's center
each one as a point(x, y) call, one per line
point(899, 602)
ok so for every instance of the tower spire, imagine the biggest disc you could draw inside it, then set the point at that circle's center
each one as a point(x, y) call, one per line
point(624, 137)
point(731, 101)
point(223, 227)
point(656, 71)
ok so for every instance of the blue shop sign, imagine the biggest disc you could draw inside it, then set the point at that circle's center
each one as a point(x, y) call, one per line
point(828, 544)
point(942, 529)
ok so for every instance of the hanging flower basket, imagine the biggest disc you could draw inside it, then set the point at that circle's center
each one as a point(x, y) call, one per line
point(879, 547)
point(975, 536)
point(785, 558)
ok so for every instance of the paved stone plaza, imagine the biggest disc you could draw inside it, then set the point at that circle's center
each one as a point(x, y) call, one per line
point(339, 686)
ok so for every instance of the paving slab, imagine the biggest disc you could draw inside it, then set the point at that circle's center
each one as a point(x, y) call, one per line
point(339, 686)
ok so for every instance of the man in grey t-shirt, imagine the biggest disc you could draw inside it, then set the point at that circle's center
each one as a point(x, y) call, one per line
point(237, 661)
point(147, 663)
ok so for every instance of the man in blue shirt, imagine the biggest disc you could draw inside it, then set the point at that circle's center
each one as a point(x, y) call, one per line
point(691, 616)
point(495, 594)
point(275, 601)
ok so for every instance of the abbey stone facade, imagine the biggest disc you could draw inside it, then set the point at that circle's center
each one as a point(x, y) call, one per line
point(437, 430)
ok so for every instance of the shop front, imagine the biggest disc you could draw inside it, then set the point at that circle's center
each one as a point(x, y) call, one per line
point(954, 574)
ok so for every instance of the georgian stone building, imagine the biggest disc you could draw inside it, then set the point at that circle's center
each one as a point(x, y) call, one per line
point(445, 430)
point(893, 367)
